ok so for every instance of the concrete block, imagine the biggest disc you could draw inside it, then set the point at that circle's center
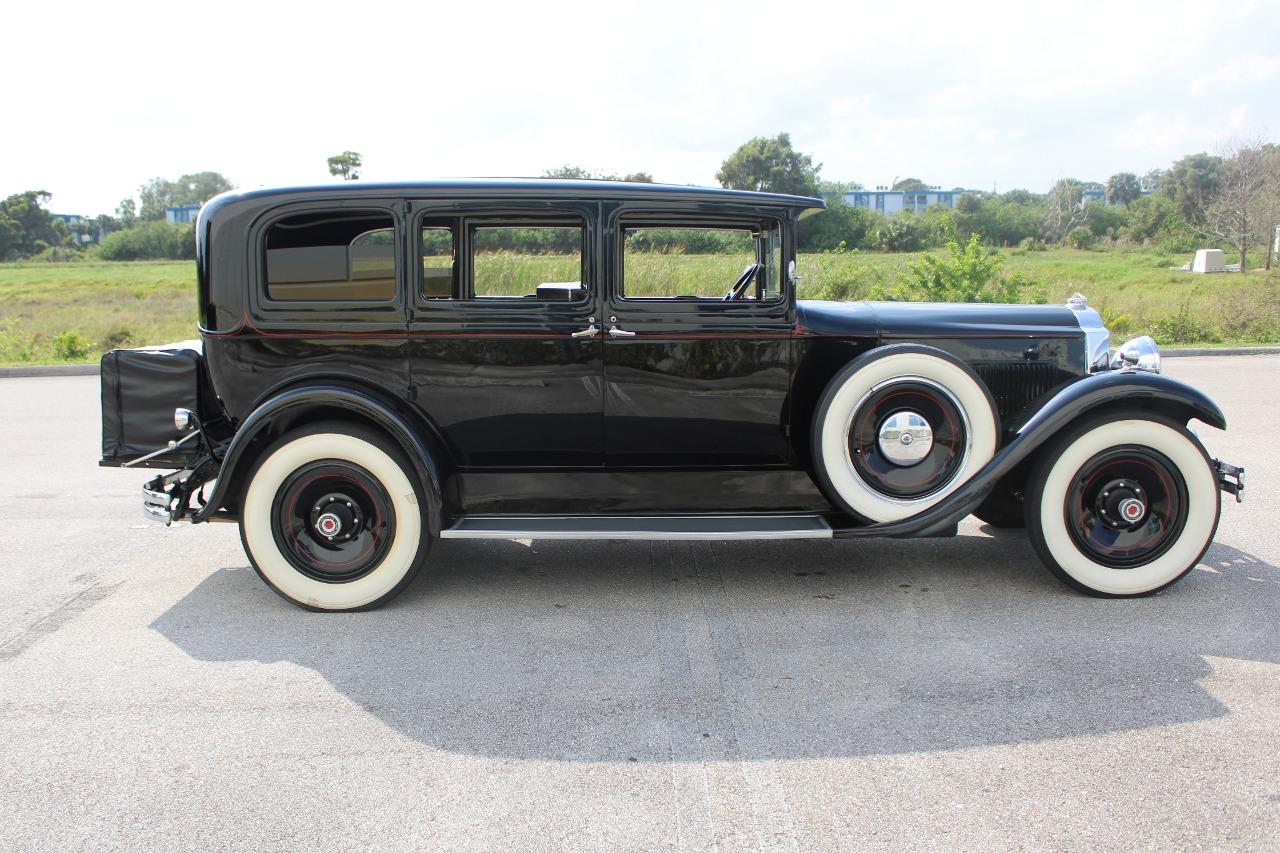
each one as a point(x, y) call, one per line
point(1208, 260)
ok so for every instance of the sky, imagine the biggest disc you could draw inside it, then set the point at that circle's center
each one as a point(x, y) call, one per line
point(101, 97)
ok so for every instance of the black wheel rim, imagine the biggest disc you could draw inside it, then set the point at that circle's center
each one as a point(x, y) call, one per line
point(1126, 506)
point(333, 521)
point(931, 473)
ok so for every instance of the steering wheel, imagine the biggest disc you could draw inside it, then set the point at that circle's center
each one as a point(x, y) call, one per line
point(740, 286)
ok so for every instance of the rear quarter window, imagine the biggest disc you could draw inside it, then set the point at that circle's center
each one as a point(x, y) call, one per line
point(331, 256)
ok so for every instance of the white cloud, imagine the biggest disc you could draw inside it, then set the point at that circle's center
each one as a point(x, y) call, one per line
point(1254, 68)
point(1154, 132)
point(955, 94)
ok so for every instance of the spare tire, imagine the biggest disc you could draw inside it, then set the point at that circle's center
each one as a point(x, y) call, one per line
point(900, 428)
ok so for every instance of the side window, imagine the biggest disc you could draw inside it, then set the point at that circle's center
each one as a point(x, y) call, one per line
point(701, 262)
point(541, 262)
point(439, 262)
point(332, 256)
point(771, 254)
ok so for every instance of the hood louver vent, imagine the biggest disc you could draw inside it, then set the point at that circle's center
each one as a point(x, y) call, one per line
point(1016, 384)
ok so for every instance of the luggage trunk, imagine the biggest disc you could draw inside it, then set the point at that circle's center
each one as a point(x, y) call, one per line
point(140, 390)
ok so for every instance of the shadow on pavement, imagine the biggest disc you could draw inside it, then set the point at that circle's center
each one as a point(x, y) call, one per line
point(704, 651)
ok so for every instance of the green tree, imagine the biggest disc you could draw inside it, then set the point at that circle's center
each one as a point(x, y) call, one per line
point(1022, 197)
point(127, 212)
point(837, 189)
point(195, 188)
point(1122, 188)
point(1191, 182)
point(840, 224)
point(910, 185)
point(26, 227)
point(577, 173)
point(1235, 211)
point(346, 165)
point(770, 165)
point(199, 187)
point(1066, 209)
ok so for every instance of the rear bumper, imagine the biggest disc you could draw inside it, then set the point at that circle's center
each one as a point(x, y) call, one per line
point(167, 498)
point(161, 499)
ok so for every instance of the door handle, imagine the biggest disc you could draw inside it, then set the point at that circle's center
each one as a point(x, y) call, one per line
point(615, 332)
point(589, 332)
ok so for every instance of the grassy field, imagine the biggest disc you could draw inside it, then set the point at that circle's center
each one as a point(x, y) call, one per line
point(52, 313)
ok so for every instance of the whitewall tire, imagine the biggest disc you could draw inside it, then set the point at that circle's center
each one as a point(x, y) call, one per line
point(332, 518)
point(926, 388)
point(1123, 505)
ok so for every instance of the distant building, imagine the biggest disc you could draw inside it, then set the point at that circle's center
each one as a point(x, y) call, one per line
point(892, 202)
point(1094, 192)
point(83, 228)
point(1097, 192)
point(182, 214)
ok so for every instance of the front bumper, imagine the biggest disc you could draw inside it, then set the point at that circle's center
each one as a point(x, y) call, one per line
point(1230, 479)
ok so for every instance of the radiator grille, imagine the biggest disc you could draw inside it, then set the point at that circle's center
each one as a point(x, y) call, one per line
point(1015, 384)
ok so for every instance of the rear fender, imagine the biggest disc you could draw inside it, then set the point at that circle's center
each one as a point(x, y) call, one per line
point(288, 405)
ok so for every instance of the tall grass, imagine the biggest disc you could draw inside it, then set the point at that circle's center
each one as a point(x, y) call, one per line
point(74, 312)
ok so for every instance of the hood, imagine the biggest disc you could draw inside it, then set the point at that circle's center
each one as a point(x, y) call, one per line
point(936, 319)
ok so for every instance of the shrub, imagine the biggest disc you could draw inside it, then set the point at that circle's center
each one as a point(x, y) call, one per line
point(1181, 243)
point(1080, 237)
point(1182, 328)
point(968, 274)
point(840, 224)
point(903, 233)
point(150, 241)
point(59, 254)
point(69, 346)
point(117, 337)
point(1118, 323)
point(1103, 219)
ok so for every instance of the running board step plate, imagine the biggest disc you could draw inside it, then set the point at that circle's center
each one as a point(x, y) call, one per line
point(710, 527)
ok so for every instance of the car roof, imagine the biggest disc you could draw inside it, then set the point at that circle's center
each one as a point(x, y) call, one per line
point(522, 187)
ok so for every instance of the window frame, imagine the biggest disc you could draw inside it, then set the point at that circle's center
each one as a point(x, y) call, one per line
point(708, 221)
point(464, 222)
point(263, 304)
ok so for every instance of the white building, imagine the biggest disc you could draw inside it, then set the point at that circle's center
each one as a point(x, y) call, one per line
point(182, 214)
point(892, 202)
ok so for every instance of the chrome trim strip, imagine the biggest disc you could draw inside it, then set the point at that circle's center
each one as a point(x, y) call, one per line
point(677, 527)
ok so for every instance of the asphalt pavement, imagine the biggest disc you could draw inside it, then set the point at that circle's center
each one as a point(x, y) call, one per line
point(933, 694)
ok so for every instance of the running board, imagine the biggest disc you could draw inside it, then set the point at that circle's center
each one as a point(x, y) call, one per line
point(707, 527)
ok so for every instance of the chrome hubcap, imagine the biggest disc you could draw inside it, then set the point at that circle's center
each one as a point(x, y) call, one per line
point(905, 438)
point(1121, 504)
point(336, 517)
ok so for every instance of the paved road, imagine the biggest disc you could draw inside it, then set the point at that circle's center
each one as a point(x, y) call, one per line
point(944, 694)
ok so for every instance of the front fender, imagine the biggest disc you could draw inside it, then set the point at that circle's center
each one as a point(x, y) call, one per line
point(290, 402)
point(1131, 389)
point(1134, 388)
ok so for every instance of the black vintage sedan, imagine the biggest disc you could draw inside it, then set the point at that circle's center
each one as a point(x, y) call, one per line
point(383, 365)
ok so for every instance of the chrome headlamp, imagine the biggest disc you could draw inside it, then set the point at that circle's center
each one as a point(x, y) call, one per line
point(1137, 354)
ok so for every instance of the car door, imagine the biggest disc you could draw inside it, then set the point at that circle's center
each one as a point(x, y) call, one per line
point(503, 358)
point(693, 379)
